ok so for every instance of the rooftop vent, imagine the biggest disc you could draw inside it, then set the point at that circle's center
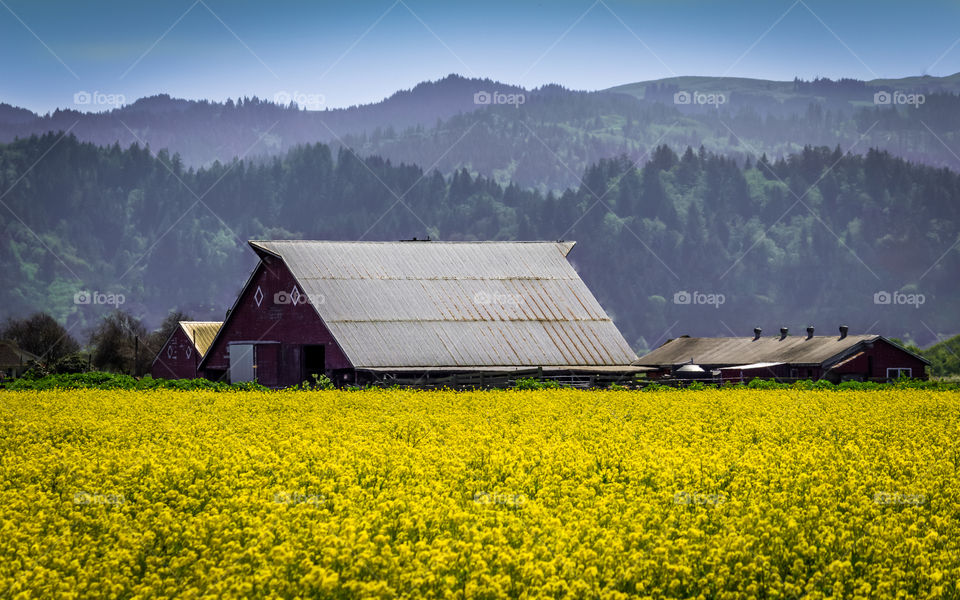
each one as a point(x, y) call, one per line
point(843, 331)
point(756, 333)
point(784, 332)
point(809, 332)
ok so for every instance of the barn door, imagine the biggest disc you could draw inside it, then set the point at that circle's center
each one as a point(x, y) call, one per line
point(241, 363)
point(314, 362)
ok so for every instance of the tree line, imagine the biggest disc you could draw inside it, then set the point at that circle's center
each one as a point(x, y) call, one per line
point(805, 239)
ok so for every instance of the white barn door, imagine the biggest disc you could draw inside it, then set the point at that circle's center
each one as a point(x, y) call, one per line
point(241, 363)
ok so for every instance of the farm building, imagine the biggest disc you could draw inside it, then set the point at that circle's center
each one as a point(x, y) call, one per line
point(181, 353)
point(13, 360)
point(415, 311)
point(834, 358)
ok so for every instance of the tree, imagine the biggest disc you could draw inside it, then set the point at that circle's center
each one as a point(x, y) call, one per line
point(119, 345)
point(40, 334)
point(158, 338)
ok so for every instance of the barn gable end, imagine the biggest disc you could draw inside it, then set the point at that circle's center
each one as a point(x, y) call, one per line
point(275, 317)
point(182, 352)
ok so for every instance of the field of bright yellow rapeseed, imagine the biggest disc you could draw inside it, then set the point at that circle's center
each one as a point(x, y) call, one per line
point(559, 494)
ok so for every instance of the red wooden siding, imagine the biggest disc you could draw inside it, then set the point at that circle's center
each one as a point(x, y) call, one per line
point(875, 361)
point(267, 316)
point(177, 359)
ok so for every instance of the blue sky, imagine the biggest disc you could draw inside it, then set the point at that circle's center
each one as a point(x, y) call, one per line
point(358, 52)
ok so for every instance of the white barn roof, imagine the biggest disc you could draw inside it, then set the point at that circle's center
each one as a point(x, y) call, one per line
point(453, 304)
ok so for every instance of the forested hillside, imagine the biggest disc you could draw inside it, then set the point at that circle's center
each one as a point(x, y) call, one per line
point(781, 253)
point(550, 138)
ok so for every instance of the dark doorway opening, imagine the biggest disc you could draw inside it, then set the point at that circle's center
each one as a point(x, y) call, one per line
point(314, 362)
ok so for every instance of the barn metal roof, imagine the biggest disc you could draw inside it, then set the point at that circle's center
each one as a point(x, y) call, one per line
point(201, 332)
point(759, 365)
point(453, 304)
point(12, 356)
point(736, 351)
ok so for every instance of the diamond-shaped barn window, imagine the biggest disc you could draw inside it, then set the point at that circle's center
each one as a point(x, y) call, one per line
point(258, 296)
point(295, 296)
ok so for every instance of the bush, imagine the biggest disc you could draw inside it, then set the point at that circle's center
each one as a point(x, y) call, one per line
point(531, 383)
point(320, 382)
point(72, 363)
point(113, 381)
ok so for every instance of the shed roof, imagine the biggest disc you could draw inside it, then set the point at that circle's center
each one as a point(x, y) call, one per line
point(759, 365)
point(12, 355)
point(453, 304)
point(202, 333)
point(719, 351)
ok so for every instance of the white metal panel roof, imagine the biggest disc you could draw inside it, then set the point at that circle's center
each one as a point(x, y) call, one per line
point(452, 304)
point(759, 365)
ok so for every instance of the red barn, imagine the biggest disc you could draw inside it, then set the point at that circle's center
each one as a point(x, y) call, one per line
point(180, 355)
point(375, 311)
point(785, 357)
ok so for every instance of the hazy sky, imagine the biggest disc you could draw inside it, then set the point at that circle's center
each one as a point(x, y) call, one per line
point(356, 52)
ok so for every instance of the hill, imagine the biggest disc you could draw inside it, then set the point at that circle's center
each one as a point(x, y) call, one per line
point(731, 238)
point(550, 138)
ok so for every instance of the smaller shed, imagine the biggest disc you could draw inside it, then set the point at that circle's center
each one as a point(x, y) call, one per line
point(13, 360)
point(181, 354)
point(784, 357)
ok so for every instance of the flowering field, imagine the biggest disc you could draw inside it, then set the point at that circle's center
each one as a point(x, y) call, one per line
point(707, 494)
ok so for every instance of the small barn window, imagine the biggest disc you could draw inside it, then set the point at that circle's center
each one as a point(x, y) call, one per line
point(897, 372)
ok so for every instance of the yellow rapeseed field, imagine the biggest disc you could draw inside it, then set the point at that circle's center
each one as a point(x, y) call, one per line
point(540, 494)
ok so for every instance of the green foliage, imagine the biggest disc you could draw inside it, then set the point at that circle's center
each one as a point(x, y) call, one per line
point(700, 212)
point(41, 335)
point(71, 363)
point(112, 381)
point(532, 383)
point(320, 382)
point(944, 357)
point(656, 387)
